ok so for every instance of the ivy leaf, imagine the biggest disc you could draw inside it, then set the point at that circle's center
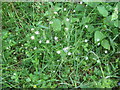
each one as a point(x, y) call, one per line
point(56, 24)
point(102, 10)
point(105, 44)
point(98, 36)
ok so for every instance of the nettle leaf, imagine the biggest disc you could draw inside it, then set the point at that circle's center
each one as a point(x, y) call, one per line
point(115, 13)
point(102, 10)
point(105, 44)
point(98, 36)
point(56, 25)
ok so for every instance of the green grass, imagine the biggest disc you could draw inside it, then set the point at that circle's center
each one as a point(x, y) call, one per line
point(60, 45)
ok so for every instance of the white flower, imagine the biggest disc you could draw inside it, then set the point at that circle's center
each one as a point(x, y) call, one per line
point(37, 32)
point(35, 48)
point(53, 71)
point(86, 58)
point(53, 16)
point(14, 74)
point(40, 41)
point(65, 49)
point(66, 29)
point(55, 13)
point(58, 60)
point(98, 39)
point(47, 41)
point(32, 29)
point(56, 38)
point(106, 51)
point(86, 26)
point(98, 44)
point(58, 52)
point(50, 22)
point(98, 61)
point(73, 10)
point(64, 9)
point(32, 37)
point(81, 2)
point(7, 47)
point(67, 19)
point(86, 40)
point(69, 53)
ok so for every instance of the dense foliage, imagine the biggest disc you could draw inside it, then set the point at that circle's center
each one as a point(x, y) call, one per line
point(53, 44)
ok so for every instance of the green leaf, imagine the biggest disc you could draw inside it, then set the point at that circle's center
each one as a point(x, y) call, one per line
point(116, 23)
point(98, 36)
point(79, 7)
point(92, 4)
point(56, 8)
point(102, 10)
point(115, 13)
point(56, 25)
point(75, 19)
point(85, 20)
point(105, 44)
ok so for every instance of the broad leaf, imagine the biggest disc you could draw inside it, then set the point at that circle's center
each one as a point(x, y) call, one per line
point(98, 36)
point(115, 13)
point(105, 44)
point(102, 10)
point(56, 25)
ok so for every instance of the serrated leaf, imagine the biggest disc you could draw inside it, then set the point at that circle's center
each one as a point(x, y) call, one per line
point(102, 10)
point(56, 24)
point(98, 36)
point(105, 44)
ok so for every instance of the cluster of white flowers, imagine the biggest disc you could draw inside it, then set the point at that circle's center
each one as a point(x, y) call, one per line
point(32, 29)
point(81, 2)
point(69, 53)
point(106, 51)
point(50, 22)
point(86, 58)
point(98, 44)
point(32, 37)
point(58, 52)
point(55, 13)
point(55, 38)
point(65, 49)
point(66, 29)
point(67, 19)
point(86, 26)
point(35, 48)
point(37, 32)
point(40, 41)
point(47, 41)
point(73, 10)
point(98, 40)
point(86, 40)
point(65, 9)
